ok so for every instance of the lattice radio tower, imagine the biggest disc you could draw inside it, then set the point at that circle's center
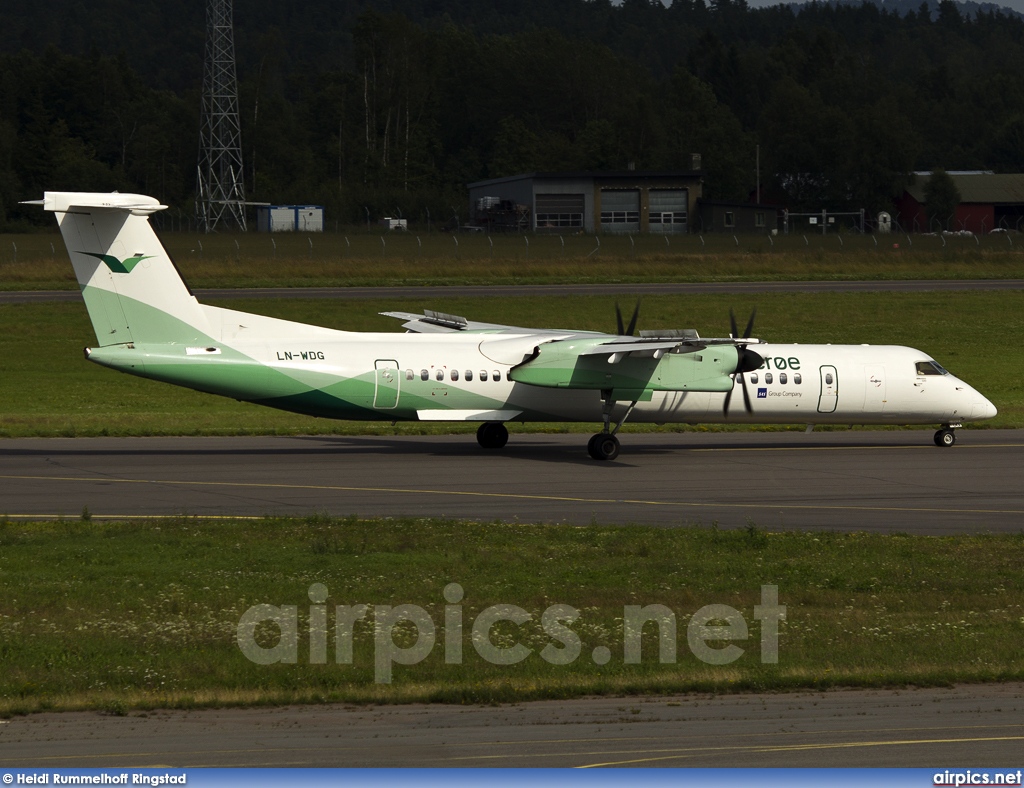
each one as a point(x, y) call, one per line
point(220, 190)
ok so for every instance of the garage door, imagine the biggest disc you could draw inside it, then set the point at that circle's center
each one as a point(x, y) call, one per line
point(556, 211)
point(668, 210)
point(620, 210)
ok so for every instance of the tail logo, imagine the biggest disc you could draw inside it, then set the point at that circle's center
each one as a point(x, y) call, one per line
point(118, 266)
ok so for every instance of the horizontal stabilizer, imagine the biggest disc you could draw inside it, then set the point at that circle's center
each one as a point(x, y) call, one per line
point(69, 202)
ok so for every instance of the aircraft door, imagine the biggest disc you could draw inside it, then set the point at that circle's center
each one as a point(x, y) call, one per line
point(829, 397)
point(387, 383)
point(874, 389)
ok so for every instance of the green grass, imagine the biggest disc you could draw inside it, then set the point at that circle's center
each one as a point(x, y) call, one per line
point(34, 262)
point(48, 389)
point(130, 615)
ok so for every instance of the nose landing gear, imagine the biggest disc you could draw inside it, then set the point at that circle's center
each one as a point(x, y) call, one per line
point(946, 436)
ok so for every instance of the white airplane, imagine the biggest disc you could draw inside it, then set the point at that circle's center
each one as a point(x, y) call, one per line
point(447, 368)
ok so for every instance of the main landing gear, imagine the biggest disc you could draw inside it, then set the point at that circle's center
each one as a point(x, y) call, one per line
point(604, 445)
point(492, 435)
point(946, 437)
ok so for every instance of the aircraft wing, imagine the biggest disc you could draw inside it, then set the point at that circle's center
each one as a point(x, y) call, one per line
point(431, 322)
point(657, 343)
point(652, 344)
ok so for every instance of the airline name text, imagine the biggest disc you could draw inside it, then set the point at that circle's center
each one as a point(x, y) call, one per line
point(778, 362)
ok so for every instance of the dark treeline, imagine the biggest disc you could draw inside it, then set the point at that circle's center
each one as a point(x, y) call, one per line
point(397, 105)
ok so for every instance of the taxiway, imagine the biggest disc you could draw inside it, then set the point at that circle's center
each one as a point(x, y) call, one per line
point(872, 481)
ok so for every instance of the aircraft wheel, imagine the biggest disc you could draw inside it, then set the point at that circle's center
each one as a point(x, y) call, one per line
point(945, 438)
point(492, 435)
point(603, 446)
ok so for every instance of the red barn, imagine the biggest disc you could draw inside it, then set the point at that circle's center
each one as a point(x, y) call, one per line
point(987, 202)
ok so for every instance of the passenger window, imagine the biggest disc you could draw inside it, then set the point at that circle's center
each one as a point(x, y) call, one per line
point(483, 375)
point(424, 374)
point(798, 378)
point(783, 378)
point(767, 377)
point(440, 374)
point(753, 378)
point(455, 374)
point(409, 374)
point(497, 376)
point(828, 378)
point(469, 374)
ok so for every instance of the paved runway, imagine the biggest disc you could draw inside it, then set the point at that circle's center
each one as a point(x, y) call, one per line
point(967, 726)
point(875, 481)
point(506, 291)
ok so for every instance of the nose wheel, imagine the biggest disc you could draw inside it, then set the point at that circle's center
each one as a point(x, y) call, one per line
point(945, 437)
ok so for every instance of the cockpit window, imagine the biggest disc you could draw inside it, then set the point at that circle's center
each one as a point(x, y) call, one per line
point(930, 368)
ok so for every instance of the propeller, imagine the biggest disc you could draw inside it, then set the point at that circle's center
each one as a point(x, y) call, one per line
point(746, 360)
point(628, 332)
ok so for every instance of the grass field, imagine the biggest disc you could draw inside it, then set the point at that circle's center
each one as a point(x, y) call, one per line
point(39, 261)
point(143, 614)
point(48, 389)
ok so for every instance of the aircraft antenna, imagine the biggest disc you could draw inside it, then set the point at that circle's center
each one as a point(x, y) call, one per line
point(220, 190)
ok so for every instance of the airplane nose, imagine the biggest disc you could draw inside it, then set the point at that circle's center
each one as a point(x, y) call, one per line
point(983, 410)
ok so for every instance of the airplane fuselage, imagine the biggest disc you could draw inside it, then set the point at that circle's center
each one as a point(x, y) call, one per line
point(457, 377)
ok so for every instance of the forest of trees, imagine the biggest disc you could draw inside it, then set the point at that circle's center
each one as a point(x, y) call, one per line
point(400, 104)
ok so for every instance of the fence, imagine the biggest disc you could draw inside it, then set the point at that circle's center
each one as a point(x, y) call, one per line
point(411, 246)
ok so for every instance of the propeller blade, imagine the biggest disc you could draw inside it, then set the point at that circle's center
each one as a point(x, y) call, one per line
point(750, 324)
point(632, 321)
point(746, 360)
point(746, 395)
point(626, 331)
